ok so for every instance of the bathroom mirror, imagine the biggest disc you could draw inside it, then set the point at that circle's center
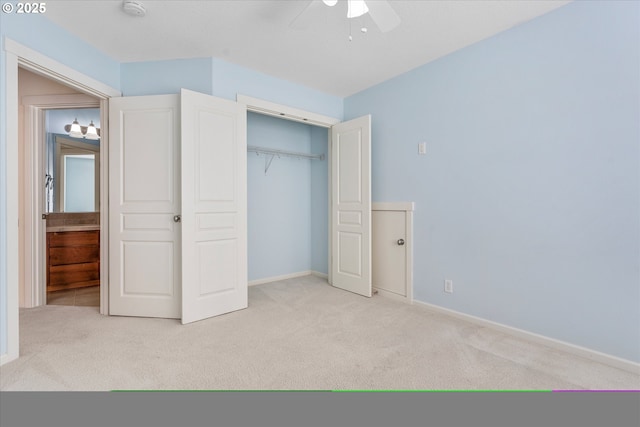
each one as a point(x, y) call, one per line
point(72, 171)
point(75, 176)
point(72, 182)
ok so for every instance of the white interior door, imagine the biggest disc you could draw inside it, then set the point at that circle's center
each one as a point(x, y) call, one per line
point(214, 212)
point(351, 205)
point(144, 240)
point(177, 206)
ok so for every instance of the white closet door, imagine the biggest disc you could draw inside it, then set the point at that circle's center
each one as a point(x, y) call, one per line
point(214, 211)
point(144, 196)
point(351, 205)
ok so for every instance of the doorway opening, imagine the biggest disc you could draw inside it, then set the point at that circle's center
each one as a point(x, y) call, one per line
point(72, 207)
point(287, 199)
point(60, 180)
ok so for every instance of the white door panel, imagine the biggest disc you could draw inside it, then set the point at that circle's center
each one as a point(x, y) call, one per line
point(351, 205)
point(389, 252)
point(214, 218)
point(144, 241)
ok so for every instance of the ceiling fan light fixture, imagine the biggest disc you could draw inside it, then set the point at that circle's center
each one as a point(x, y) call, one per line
point(356, 8)
point(330, 3)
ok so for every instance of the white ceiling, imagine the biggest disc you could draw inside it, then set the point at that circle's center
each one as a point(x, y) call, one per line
point(256, 34)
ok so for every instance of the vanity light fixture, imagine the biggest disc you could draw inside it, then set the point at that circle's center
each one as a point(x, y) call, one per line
point(74, 129)
point(77, 131)
point(92, 132)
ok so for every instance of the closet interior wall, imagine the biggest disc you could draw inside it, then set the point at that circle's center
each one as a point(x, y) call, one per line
point(288, 205)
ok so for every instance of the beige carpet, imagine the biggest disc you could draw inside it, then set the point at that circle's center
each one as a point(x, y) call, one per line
point(297, 334)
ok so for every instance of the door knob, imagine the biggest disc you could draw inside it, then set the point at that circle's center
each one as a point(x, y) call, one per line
point(400, 242)
point(176, 218)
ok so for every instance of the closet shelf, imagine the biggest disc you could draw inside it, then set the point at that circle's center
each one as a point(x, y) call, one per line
point(271, 153)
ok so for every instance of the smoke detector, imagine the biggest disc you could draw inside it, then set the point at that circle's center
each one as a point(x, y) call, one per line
point(133, 8)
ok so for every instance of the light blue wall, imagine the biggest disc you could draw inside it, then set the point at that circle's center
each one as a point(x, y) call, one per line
point(319, 201)
point(279, 202)
point(39, 34)
point(528, 197)
point(166, 77)
point(220, 78)
point(230, 79)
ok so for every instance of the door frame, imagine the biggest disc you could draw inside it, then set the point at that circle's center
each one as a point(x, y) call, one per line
point(18, 55)
point(33, 252)
point(261, 106)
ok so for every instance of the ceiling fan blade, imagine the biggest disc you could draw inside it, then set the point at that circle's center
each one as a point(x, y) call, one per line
point(383, 15)
point(306, 16)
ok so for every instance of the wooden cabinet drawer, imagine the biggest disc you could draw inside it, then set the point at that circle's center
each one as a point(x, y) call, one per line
point(74, 255)
point(73, 259)
point(74, 238)
point(64, 276)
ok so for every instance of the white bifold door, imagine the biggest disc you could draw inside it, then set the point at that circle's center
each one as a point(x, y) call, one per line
point(177, 206)
point(351, 205)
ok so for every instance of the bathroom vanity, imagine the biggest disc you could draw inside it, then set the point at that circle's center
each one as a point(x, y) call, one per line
point(73, 255)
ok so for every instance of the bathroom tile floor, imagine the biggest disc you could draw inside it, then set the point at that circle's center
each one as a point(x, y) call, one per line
point(87, 297)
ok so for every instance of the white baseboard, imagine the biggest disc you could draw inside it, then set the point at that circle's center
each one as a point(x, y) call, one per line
point(6, 358)
point(320, 275)
point(391, 295)
point(276, 278)
point(594, 355)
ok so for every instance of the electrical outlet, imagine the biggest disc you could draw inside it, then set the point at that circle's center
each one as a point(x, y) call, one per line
point(422, 148)
point(448, 286)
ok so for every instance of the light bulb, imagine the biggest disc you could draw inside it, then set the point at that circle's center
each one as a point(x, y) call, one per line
point(330, 3)
point(92, 132)
point(356, 8)
point(75, 131)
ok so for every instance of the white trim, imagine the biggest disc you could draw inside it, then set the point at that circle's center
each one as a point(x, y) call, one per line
point(261, 106)
point(392, 206)
point(391, 295)
point(33, 250)
point(329, 209)
point(409, 272)
point(104, 207)
point(6, 358)
point(278, 278)
point(43, 65)
point(320, 275)
point(12, 212)
point(594, 355)
point(60, 102)
point(20, 55)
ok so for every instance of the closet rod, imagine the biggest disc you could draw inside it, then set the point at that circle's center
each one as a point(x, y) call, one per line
point(271, 153)
point(283, 153)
